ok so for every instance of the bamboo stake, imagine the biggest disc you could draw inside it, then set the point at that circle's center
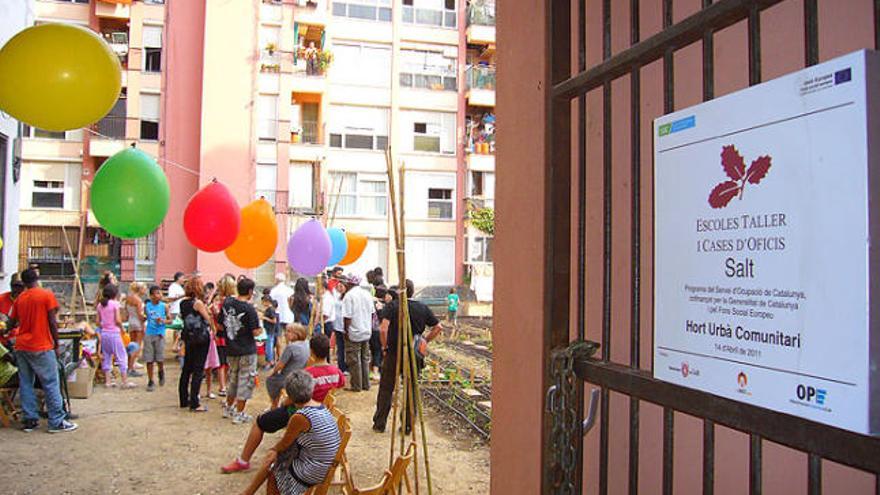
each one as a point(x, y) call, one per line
point(77, 281)
point(396, 392)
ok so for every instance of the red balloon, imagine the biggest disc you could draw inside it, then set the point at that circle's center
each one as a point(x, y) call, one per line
point(212, 218)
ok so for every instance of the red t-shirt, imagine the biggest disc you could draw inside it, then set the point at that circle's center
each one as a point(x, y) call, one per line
point(31, 309)
point(6, 303)
point(326, 378)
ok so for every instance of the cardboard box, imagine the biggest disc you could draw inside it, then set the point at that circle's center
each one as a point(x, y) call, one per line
point(80, 383)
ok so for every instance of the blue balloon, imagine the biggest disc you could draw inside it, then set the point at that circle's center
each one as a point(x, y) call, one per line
point(339, 245)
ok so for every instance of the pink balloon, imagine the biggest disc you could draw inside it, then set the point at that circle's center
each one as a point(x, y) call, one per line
point(309, 248)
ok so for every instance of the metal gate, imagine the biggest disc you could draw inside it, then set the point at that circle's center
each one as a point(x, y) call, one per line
point(566, 169)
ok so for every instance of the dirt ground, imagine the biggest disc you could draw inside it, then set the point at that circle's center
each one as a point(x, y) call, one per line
point(134, 441)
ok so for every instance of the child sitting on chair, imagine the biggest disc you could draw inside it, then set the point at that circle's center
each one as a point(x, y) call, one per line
point(294, 357)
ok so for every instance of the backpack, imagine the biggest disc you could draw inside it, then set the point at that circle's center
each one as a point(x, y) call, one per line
point(196, 331)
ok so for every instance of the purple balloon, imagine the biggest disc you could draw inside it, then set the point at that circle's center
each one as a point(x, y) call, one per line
point(309, 248)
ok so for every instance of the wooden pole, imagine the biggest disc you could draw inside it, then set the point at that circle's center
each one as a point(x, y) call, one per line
point(396, 392)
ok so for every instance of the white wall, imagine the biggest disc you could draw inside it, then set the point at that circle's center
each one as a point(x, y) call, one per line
point(14, 16)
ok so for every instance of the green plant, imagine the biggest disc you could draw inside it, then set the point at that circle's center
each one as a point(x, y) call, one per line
point(270, 48)
point(325, 58)
point(483, 219)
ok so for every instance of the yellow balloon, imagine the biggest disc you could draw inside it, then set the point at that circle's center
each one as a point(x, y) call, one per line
point(58, 77)
point(1, 243)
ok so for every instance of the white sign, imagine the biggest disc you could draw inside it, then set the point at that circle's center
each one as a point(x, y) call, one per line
point(763, 262)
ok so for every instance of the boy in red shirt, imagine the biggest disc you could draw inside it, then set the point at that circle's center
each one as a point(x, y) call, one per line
point(327, 377)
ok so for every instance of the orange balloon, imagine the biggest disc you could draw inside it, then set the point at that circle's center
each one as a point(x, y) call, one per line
point(356, 245)
point(257, 236)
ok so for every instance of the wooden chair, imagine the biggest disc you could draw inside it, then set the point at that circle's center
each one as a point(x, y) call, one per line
point(339, 462)
point(330, 401)
point(393, 478)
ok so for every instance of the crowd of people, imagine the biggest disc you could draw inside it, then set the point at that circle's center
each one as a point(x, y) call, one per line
point(218, 329)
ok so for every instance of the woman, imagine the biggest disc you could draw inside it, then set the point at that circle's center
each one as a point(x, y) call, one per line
point(196, 353)
point(134, 306)
point(107, 278)
point(225, 288)
point(301, 302)
point(304, 455)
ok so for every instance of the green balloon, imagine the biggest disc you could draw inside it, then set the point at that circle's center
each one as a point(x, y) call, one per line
point(130, 194)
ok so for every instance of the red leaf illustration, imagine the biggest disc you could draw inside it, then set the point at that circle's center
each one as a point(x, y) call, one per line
point(723, 193)
point(733, 163)
point(758, 169)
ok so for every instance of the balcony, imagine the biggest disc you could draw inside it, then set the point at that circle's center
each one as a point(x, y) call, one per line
point(113, 9)
point(305, 142)
point(111, 136)
point(481, 22)
point(481, 85)
point(309, 70)
point(311, 12)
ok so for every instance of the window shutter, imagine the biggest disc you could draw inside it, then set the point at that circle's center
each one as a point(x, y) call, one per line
point(152, 37)
point(150, 107)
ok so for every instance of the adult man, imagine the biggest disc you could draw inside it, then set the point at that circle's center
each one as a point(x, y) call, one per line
point(334, 276)
point(175, 294)
point(36, 349)
point(420, 317)
point(281, 295)
point(357, 314)
point(241, 324)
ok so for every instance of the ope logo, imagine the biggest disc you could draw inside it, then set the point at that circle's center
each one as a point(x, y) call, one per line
point(807, 393)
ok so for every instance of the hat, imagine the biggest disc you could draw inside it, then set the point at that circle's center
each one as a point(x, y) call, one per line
point(351, 280)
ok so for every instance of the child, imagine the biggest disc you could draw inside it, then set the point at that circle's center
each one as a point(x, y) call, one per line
point(270, 325)
point(327, 377)
point(294, 357)
point(452, 306)
point(154, 340)
point(110, 322)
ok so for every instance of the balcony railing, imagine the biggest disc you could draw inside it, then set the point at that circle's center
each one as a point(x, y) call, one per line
point(481, 13)
point(308, 133)
point(112, 127)
point(480, 77)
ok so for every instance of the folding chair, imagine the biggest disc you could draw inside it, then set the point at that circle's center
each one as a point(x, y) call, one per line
point(393, 478)
point(340, 461)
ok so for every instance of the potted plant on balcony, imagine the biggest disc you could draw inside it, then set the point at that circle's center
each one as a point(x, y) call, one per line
point(296, 134)
point(325, 58)
point(270, 48)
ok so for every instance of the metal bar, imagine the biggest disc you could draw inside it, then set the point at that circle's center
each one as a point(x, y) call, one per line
point(877, 47)
point(845, 447)
point(668, 62)
point(754, 26)
point(754, 464)
point(717, 16)
point(604, 441)
point(581, 224)
point(708, 457)
point(668, 437)
point(635, 246)
point(557, 201)
point(811, 32)
point(814, 475)
point(606, 259)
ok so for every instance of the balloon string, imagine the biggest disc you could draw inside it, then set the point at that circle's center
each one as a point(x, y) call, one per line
point(278, 211)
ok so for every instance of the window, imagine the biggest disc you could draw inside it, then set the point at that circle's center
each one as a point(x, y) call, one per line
point(432, 132)
point(150, 116)
point(428, 70)
point(430, 260)
point(48, 194)
point(301, 186)
point(267, 117)
point(482, 184)
point(264, 276)
point(267, 180)
point(33, 132)
point(362, 195)
point(354, 127)
point(152, 48)
point(480, 249)
point(145, 258)
point(368, 10)
point(269, 42)
point(375, 254)
point(362, 64)
point(438, 13)
point(156, 2)
point(430, 195)
point(440, 203)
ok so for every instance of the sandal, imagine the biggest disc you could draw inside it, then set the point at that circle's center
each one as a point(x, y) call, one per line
point(211, 395)
point(199, 409)
point(128, 385)
point(222, 393)
point(111, 384)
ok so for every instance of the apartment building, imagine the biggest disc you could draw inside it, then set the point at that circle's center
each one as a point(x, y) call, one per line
point(295, 101)
point(57, 167)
